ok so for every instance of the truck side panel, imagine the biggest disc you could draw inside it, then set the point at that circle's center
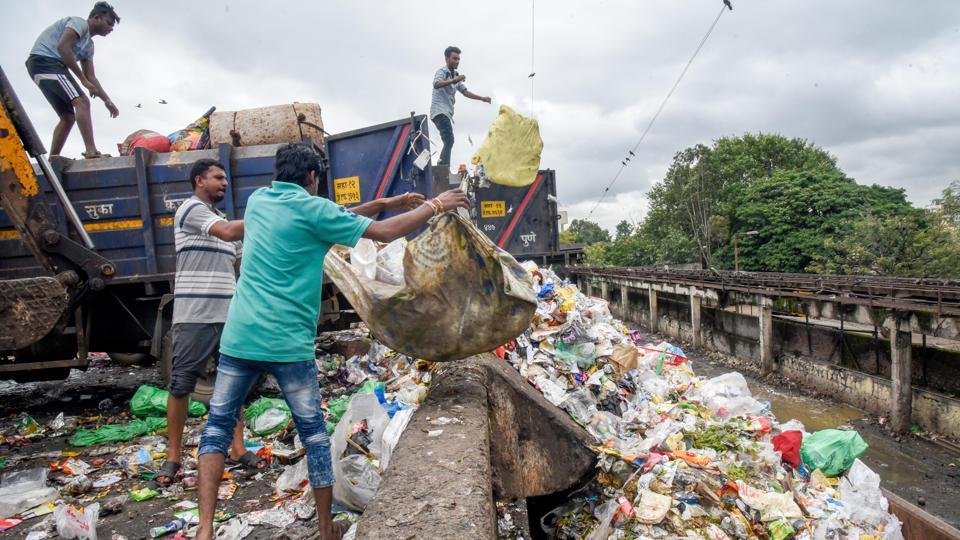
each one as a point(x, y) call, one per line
point(377, 162)
point(521, 220)
point(127, 203)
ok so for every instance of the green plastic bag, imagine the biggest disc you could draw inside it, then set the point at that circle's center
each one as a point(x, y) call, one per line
point(151, 401)
point(267, 415)
point(584, 354)
point(117, 432)
point(336, 407)
point(832, 450)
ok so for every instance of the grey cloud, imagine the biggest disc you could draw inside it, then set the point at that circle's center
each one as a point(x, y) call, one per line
point(873, 82)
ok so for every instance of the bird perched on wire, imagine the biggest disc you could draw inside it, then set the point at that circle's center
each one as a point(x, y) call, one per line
point(728, 4)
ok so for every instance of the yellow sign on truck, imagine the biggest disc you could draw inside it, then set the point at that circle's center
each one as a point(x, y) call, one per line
point(346, 190)
point(493, 209)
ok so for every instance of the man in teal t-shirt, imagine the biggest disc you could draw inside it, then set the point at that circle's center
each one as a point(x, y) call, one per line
point(272, 320)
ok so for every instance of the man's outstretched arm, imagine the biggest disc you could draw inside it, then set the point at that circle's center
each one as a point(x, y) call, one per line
point(390, 229)
point(471, 95)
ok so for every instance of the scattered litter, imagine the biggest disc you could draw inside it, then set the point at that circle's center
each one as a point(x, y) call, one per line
point(680, 455)
point(226, 491)
point(443, 421)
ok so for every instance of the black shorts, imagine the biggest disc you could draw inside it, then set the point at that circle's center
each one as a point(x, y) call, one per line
point(55, 81)
point(193, 346)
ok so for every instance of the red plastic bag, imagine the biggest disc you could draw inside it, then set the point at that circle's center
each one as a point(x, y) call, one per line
point(151, 140)
point(788, 444)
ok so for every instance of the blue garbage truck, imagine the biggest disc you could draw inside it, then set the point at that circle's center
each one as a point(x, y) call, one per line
point(87, 255)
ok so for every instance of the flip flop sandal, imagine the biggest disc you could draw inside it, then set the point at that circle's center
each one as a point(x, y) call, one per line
point(169, 469)
point(94, 155)
point(251, 461)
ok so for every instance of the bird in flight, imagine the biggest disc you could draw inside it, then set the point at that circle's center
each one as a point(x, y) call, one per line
point(139, 106)
point(163, 102)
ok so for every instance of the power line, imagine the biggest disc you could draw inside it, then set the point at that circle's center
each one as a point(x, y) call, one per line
point(533, 72)
point(623, 164)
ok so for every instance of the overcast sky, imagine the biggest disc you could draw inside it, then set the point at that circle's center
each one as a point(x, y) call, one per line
point(874, 82)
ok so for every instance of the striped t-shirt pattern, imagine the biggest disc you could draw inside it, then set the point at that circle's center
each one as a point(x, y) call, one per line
point(205, 278)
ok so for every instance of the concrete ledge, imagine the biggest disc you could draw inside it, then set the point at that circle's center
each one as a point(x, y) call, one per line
point(512, 444)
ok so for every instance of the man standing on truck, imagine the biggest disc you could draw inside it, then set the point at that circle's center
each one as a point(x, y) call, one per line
point(208, 248)
point(272, 321)
point(446, 84)
point(67, 46)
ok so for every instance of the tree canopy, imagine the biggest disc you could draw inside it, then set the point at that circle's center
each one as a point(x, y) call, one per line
point(802, 211)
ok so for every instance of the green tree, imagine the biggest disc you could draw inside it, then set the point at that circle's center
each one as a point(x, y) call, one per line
point(702, 190)
point(795, 211)
point(947, 207)
point(912, 245)
point(624, 230)
point(588, 232)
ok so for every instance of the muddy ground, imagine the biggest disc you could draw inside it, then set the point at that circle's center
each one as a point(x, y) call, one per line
point(105, 389)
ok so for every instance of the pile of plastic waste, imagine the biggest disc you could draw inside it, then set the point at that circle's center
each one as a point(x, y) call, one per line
point(105, 463)
point(680, 456)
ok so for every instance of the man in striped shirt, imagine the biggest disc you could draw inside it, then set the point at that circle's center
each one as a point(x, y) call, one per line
point(208, 248)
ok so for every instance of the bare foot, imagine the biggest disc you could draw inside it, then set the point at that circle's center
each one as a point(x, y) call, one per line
point(204, 533)
point(335, 530)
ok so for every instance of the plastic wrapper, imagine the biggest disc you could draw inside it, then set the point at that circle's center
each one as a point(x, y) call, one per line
point(293, 478)
point(77, 522)
point(22, 490)
point(391, 436)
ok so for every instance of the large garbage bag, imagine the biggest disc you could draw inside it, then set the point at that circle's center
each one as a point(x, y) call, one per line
point(461, 295)
point(511, 152)
point(832, 450)
point(357, 477)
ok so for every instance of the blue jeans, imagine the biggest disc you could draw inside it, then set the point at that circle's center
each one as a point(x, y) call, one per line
point(298, 383)
point(445, 127)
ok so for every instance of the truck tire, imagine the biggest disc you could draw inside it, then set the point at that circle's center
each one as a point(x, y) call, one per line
point(131, 359)
point(204, 389)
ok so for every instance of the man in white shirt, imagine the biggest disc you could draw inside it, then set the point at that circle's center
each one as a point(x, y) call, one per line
point(67, 46)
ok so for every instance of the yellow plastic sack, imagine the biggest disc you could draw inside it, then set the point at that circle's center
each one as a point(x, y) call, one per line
point(511, 152)
point(461, 295)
